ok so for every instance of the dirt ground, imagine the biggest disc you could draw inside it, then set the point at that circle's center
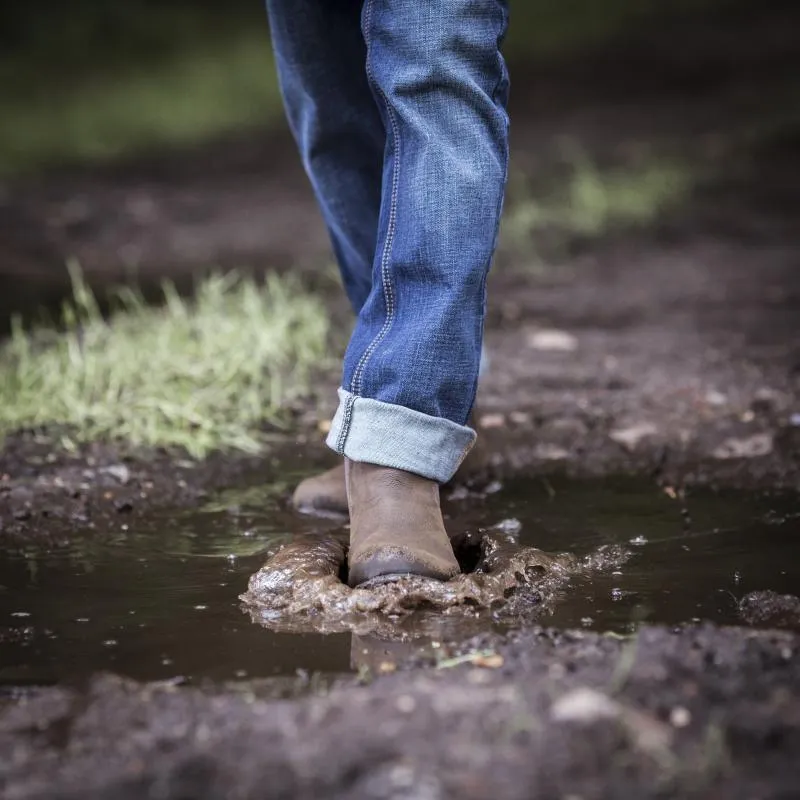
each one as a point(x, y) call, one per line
point(670, 350)
point(701, 712)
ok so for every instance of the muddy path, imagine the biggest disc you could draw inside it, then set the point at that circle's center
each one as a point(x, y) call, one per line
point(666, 352)
point(702, 712)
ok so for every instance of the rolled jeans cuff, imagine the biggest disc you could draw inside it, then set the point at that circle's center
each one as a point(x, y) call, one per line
point(394, 436)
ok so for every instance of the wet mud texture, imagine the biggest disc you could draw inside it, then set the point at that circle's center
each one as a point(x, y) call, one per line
point(701, 712)
point(302, 587)
point(771, 610)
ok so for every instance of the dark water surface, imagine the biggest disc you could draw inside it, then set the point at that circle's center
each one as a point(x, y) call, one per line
point(160, 599)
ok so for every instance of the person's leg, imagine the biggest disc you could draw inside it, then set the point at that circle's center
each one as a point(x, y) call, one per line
point(412, 364)
point(321, 55)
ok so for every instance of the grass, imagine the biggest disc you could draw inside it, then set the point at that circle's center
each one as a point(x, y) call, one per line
point(591, 200)
point(202, 374)
point(556, 29)
point(93, 86)
point(205, 91)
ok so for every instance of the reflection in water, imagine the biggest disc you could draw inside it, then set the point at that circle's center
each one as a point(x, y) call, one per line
point(161, 600)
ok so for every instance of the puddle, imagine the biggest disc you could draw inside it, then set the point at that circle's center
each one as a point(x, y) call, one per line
point(161, 601)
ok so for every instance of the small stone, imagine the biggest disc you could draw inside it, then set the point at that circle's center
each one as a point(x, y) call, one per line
point(584, 705)
point(324, 426)
point(406, 704)
point(489, 421)
point(630, 437)
point(494, 661)
point(552, 341)
point(680, 717)
point(638, 541)
point(715, 398)
point(520, 418)
point(550, 452)
point(756, 446)
point(387, 667)
point(119, 472)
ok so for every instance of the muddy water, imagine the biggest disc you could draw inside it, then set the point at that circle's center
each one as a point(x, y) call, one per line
point(160, 600)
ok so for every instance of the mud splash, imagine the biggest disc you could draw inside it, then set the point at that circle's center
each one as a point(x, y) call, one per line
point(302, 588)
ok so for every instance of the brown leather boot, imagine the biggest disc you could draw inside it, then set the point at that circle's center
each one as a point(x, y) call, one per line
point(326, 494)
point(323, 495)
point(396, 526)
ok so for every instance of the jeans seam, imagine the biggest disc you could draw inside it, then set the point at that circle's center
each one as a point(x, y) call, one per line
point(357, 382)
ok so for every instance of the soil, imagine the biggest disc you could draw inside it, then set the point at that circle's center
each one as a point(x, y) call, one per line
point(669, 350)
point(699, 712)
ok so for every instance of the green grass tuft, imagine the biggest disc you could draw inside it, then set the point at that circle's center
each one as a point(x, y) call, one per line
point(203, 374)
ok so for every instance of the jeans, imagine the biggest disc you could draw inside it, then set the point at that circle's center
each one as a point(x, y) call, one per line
point(399, 111)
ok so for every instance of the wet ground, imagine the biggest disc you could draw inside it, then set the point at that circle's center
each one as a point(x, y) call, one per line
point(158, 598)
point(666, 355)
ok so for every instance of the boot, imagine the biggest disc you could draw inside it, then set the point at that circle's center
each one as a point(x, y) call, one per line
point(326, 494)
point(396, 526)
point(323, 495)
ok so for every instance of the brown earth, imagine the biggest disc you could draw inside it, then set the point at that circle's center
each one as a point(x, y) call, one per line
point(673, 350)
point(697, 713)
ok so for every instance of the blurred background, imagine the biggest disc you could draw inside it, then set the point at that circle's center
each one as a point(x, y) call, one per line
point(145, 138)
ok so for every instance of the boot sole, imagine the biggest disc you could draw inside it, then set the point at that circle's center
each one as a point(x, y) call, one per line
point(380, 571)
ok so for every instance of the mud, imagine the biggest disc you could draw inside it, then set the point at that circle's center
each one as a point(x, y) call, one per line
point(699, 712)
point(771, 610)
point(302, 586)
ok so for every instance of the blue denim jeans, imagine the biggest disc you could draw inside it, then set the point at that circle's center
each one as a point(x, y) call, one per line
point(399, 111)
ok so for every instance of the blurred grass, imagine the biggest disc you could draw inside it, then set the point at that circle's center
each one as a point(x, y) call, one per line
point(140, 77)
point(589, 200)
point(57, 107)
point(201, 374)
point(560, 28)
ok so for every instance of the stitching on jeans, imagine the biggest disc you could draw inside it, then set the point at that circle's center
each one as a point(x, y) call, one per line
point(347, 416)
point(386, 282)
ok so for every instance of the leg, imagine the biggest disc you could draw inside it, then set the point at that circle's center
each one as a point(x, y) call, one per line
point(411, 368)
point(320, 54)
point(412, 365)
